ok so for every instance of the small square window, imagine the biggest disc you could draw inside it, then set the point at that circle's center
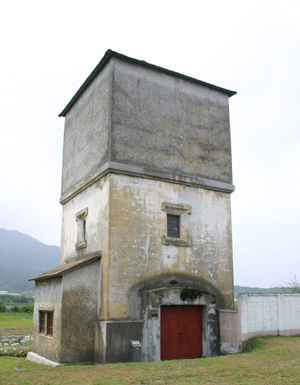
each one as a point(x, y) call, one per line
point(176, 217)
point(173, 226)
point(46, 322)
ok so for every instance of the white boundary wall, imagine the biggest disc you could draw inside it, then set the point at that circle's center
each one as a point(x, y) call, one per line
point(278, 313)
point(259, 315)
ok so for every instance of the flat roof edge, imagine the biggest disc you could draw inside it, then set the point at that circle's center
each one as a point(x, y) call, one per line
point(109, 54)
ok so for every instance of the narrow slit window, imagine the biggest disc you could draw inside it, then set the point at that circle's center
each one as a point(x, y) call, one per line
point(173, 226)
point(81, 229)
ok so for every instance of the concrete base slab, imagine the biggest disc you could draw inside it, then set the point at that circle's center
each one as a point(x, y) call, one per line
point(40, 360)
point(229, 348)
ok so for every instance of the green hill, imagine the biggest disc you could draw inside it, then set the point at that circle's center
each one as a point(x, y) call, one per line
point(23, 257)
point(257, 290)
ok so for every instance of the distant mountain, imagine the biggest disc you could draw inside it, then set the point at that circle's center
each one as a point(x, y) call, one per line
point(23, 257)
point(257, 290)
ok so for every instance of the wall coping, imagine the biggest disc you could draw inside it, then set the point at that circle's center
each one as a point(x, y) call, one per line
point(142, 172)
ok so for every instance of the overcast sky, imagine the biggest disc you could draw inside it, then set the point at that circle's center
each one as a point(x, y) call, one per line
point(253, 47)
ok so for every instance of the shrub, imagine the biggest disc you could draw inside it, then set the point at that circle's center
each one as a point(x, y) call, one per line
point(26, 309)
point(292, 287)
point(2, 307)
point(251, 345)
point(15, 309)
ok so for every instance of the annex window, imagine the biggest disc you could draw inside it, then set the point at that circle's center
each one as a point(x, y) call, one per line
point(173, 226)
point(176, 233)
point(42, 322)
point(50, 323)
point(81, 229)
point(46, 322)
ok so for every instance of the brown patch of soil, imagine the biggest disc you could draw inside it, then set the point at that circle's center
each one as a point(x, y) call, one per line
point(14, 331)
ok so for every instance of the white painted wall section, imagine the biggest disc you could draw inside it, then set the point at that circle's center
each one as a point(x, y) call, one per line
point(269, 313)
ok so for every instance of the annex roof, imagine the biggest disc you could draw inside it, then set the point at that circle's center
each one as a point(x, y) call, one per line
point(109, 54)
point(60, 270)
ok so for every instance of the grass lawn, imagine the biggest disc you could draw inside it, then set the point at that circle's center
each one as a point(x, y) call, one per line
point(276, 360)
point(16, 320)
point(15, 323)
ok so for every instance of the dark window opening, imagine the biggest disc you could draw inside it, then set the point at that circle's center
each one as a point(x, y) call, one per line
point(46, 322)
point(50, 323)
point(173, 226)
point(84, 230)
point(42, 322)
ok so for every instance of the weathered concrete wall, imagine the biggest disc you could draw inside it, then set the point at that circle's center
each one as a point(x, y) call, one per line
point(96, 200)
point(230, 330)
point(113, 340)
point(136, 116)
point(86, 136)
point(48, 296)
point(169, 124)
point(139, 259)
point(79, 313)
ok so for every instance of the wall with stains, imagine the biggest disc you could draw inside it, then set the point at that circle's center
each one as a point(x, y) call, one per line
point(86, 135)
point(139, 260)
point(48, 297)
point(80, 313)
point(136, 116)
point(169, 124)
point(96, 199)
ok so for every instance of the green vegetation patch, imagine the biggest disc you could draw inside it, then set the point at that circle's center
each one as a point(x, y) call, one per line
point(191, 294)
point(275, 361)
point(15, 300)
point(16, 320)
point(252, 344)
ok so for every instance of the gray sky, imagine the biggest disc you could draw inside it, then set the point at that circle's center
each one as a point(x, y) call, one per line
point(253, 47)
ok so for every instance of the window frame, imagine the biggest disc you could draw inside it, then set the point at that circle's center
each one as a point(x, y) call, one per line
point(176, 210)
point(46, 321)
point(80, 218)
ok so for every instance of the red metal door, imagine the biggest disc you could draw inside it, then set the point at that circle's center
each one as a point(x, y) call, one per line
point(180, 332)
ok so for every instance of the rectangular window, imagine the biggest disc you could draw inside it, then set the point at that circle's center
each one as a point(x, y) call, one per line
point(173, 226)
point(46, 322)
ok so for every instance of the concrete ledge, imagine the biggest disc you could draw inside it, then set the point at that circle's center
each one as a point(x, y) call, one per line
point(228, 348)
point(177, 241)
point(268, 333)
point(290, 332)
point(142, 172)
point(40, 360)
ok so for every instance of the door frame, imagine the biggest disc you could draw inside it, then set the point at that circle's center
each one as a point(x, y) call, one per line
point(154, 299)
